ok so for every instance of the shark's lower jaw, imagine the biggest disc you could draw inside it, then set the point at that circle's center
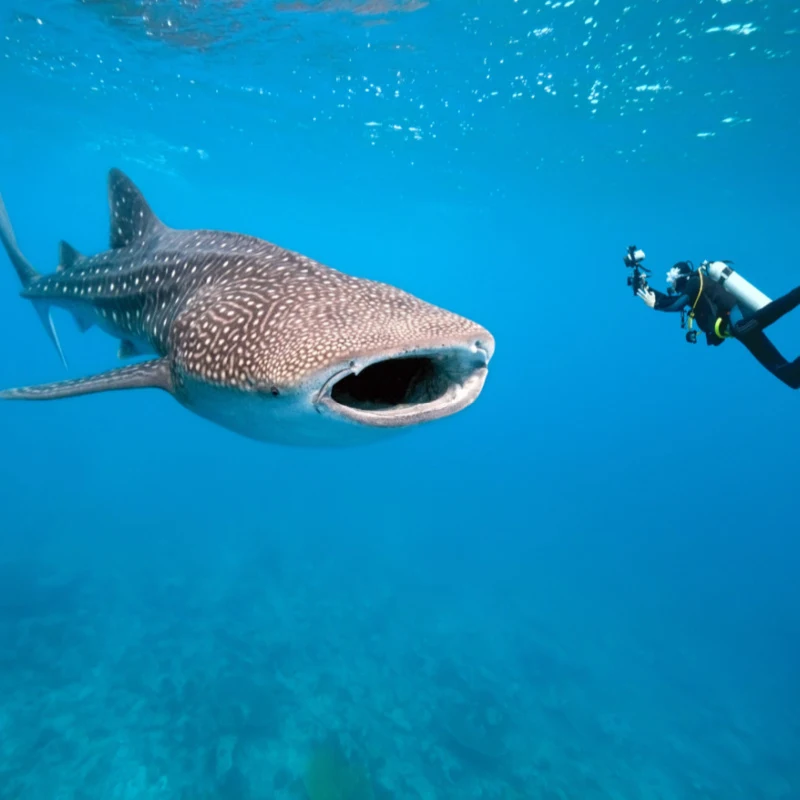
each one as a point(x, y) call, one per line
point(409, 388)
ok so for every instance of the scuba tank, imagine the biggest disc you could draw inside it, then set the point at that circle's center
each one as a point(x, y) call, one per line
point(749, 298)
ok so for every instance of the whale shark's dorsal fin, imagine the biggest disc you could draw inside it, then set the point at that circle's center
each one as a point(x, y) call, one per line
point(131, 216)
point(68, 256)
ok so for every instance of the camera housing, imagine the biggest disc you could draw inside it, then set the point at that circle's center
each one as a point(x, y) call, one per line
point(634, 256)
point(633, 260)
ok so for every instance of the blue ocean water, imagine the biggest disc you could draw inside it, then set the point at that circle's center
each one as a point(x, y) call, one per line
point(581, 587)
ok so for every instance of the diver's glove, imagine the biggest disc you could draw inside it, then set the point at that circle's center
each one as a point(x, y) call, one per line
point(648, 295)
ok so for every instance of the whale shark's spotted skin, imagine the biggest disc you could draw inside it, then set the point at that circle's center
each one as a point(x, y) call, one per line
point(238, 323)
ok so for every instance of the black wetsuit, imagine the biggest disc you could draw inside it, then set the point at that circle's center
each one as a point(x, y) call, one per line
point(717, 303)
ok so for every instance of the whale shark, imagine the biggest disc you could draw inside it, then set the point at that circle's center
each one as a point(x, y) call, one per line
point(258, 339)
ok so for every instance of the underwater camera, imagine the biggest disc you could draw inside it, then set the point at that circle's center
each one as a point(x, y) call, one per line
point(633, 260)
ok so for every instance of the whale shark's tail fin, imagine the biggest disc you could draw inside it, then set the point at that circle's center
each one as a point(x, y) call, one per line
point(27, 275)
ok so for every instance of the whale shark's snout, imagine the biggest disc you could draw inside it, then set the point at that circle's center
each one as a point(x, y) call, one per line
point(370, 355)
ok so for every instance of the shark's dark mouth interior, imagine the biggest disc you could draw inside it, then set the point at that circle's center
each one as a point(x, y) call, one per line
point(408, 388)
point(396, 382)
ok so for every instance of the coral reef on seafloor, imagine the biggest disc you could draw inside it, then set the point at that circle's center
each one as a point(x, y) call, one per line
point(224, 685)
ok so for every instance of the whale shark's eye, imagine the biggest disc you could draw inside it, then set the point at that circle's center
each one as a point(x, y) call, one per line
point(274, 391)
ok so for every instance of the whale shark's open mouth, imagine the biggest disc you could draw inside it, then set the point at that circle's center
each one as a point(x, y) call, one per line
point(409, 388)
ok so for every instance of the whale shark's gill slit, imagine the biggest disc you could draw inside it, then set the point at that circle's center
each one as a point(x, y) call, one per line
point(405, 381)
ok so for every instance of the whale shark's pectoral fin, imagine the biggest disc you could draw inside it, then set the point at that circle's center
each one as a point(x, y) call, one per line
point(153, 374)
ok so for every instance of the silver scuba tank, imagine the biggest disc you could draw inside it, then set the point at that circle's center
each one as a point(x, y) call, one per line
point(748, 297)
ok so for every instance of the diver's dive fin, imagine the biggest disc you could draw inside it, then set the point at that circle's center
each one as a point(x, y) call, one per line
point(153, 374)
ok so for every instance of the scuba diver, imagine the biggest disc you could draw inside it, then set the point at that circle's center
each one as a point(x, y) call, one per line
point(724, 304)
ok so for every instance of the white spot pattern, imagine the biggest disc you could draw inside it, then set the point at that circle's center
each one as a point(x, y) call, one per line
point(235, 310)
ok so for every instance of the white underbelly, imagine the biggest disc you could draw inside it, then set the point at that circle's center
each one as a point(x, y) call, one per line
point(288, 420)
